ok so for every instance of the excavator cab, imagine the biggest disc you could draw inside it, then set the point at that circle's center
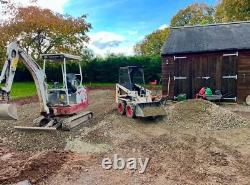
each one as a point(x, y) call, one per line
point(69, 90)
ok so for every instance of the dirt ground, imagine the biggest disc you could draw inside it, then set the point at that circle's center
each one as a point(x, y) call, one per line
point(197, 142)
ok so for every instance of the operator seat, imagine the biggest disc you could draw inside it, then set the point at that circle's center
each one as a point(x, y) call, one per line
point(71, 83)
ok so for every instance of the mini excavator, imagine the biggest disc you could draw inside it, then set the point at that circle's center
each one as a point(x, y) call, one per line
point(61, 106)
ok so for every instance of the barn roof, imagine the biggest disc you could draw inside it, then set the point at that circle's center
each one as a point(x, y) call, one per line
point(209, 38)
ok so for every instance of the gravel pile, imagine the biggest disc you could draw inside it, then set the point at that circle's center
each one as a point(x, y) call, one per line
point(101, 104)
point(203, 114)
point(31, 140)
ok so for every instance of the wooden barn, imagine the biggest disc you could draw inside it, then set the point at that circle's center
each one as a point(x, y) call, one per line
point(215, 56)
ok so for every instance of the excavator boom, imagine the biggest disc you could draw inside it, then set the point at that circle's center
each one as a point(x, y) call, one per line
point(16, 54)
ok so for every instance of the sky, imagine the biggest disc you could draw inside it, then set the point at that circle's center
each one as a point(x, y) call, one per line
point(119, 24)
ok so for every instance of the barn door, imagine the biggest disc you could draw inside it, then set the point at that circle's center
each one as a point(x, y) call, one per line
point(200, 74)
point(229, 76)
point(206, 72)
point(182, 79)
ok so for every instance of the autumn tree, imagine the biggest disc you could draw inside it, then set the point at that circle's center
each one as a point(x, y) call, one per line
point(194, 14)
point(151, 45)
point(233, 10)
point(43, 31)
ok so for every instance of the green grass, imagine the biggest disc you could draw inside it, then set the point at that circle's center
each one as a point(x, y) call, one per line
point(99, 85)
point(23, 89)
point(27, 89)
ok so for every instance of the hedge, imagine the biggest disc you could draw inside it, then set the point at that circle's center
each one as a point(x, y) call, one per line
point(100, 69)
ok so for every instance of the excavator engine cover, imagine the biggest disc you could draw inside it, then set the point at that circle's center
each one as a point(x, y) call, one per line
point(8, 111)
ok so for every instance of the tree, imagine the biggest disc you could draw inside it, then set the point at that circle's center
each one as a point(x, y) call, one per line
point(233, 10)
point(151, 45)
point(43, 31)
point(193, 15)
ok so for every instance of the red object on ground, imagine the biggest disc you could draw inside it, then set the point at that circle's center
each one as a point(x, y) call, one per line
point(202, 93)
point(153, 82)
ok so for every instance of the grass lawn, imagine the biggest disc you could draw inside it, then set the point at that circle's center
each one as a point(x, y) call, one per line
point(23, 89)
point(27, 89)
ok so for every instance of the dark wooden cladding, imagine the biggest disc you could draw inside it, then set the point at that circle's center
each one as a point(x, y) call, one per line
point(243, 82)
point(188, 73)
point(168, 77)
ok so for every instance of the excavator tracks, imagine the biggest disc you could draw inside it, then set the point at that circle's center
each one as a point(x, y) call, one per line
point(74, 121)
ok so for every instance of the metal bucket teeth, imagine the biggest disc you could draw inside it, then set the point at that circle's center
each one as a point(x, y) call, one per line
point(8, 111)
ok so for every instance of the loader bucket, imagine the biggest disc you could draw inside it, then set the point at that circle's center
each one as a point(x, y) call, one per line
point(150, 109)
point(8, 111)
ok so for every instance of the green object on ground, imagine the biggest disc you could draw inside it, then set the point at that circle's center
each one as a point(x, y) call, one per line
point(209, 92)
point(181, 97)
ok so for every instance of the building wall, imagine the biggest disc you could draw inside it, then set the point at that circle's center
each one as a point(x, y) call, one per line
point(189, 73)
point(243, 82)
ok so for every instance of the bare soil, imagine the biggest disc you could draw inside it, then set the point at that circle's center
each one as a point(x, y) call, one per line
point(196, 143)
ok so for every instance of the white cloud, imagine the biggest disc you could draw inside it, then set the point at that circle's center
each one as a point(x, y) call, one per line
point(55, 5)
point(103, 40)
point(104, 43)
point(164, 26)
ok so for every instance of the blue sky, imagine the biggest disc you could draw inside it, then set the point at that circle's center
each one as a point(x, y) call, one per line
point(119, 24)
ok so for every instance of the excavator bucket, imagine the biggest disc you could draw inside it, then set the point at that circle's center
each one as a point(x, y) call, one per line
point(8, 111)
point(152, 109)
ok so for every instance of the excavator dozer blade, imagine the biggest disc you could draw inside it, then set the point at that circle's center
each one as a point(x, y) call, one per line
point(150, 109)
point(8, 111)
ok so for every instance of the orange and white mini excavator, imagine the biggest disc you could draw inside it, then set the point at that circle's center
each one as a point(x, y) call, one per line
point(61, 106)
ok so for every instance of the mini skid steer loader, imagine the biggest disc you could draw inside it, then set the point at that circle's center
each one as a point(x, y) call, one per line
point(61, 106)
point(132, 98)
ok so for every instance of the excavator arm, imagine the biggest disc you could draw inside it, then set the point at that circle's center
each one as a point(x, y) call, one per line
point(16, 54)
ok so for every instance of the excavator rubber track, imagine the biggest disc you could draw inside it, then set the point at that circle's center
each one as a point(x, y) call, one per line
point(76, 120)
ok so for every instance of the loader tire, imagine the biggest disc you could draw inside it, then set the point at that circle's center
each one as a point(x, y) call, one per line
point(130, 111)
point(121, 107)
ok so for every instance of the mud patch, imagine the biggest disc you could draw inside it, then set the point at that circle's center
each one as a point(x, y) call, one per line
point(35, 168)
